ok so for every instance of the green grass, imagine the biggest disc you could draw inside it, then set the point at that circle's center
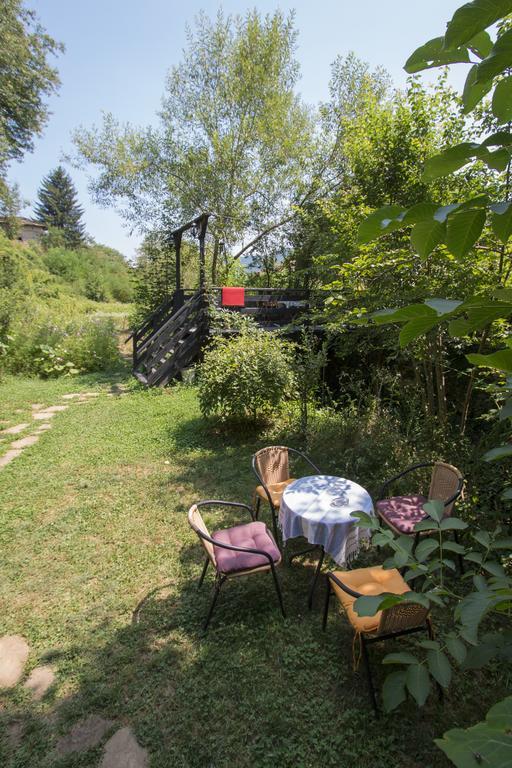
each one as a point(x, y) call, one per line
point(99, 572)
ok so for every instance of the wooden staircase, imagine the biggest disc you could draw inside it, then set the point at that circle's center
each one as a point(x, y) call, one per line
point(169, 340)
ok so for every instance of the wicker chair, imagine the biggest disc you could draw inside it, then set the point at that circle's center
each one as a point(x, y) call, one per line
point(402, 513)
point(237, 551)
point(401, 619)
point(271, 466)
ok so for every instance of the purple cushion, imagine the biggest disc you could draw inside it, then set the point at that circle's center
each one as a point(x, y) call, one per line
point(254, 535)
point(402, 512)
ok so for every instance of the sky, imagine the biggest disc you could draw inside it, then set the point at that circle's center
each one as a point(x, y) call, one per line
point(118, 53)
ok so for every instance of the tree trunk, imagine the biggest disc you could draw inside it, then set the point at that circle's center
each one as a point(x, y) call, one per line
point(442, 409)
point(215, 259)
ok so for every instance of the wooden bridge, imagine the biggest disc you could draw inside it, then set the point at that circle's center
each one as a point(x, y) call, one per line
point(172, 337)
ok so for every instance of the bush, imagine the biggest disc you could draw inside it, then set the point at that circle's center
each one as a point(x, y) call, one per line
point(245, 377)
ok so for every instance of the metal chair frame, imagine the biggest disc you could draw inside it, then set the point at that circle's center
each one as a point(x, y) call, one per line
point(220, 577)
point(368, 639)
point(266, 489)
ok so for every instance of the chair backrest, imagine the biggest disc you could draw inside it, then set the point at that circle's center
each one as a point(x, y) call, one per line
point(401, 617)
point(197, 524)
point(272, 464)
point(444, 484)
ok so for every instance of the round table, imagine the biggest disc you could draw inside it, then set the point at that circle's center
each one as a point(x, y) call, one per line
point(319, 508)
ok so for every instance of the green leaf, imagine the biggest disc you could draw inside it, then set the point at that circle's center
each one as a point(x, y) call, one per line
point(402, 657)
point(415, 328)
point(444, 211)
point(483, 538)
point(507, 494)
point(501, 220)
point(474, 92)
point(430, 645)
point(481, 44)
point(498, 60)
point(439, 667)
point(472, 18)
point(432, 54)
point(500, 360)
point(463, 230)
point(380, 222)
point(494, 568)
point(450, 160)
point(452, 546)
point(502, 452)
point(456, 647)
point(425, 548)
point(418, 683)
point(434, 509)
point(500, 716)
point(400, 559)
point(453, 524)
point(420, 212)
point(368, 605)
point(426, 235)
point(459, 327)
point(498, 139)
point(502, 100)
point(393, 690)
point(426, 525)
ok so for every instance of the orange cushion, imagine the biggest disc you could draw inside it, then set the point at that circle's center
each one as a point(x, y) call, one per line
point(276, 491)
point(367, 581)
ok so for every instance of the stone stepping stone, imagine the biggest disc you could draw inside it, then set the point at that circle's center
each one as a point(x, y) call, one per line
point(25, 442)
point(123, 751)
point(43, 427)
point(39, 680)
point(10, 456)
point(37, 406)
point(13, 657)
point(84, 735)
point(71, 396)
point(14, 430)
point(56, 408)
point(43, 415)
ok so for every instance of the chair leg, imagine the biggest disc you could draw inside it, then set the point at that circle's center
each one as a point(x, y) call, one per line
point(218, 584)
point(431, 636)
point(315, 578)
point(203, 574)
point(459, 556)
point(328, 593)
point(369, 677)
point(278, 590)
point(257, 507)
point(275, 529)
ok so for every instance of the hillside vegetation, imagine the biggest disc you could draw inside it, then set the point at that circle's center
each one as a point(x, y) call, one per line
point(60, 309)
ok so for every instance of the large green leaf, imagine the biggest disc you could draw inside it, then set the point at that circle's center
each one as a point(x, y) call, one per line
point(463, 230)
point(434, 509)
point(417, 681)
point(501, 360)
point(502, 100)
point(401, 657)
point(432, 54)
point(485, 744)
point(501, 219)
point(425, 548)
point(380, 222)
point(474, 92)
point(393, 690)
point(498, 60)
point(416, 328)
point(420, 212)
point(450, 160)
point(426, 235)
point(456, 647)
point(501, 452)
point(439, 667)
point(472, 18)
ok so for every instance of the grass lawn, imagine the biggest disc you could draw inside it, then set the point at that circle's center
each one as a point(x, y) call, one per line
point(99, 570)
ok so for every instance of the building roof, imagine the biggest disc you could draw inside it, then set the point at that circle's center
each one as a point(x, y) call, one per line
point(23, 222)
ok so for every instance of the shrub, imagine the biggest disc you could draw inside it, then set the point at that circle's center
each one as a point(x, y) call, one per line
point(245, 377)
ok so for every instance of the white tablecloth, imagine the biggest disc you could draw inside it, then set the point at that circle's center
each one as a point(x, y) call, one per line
point(319, 509)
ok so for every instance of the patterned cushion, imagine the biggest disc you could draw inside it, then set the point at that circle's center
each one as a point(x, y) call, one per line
point(253, 535)
point(402, 512)
point(276, 491)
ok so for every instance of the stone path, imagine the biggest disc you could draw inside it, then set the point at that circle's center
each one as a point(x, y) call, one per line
point(42, 413)
point(13, 657)
point(39, 681)
point(84, 735)
point(123, 751)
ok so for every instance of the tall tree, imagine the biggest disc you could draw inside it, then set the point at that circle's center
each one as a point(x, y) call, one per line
point(58, 206)
point(234, 138)
point(26, 80)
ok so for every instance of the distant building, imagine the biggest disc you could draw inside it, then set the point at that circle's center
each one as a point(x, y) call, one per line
point(28, 229)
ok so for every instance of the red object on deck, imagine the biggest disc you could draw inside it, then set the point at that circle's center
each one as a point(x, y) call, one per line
point(233, 297)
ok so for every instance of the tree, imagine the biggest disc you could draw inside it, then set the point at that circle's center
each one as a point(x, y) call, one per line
point(26, 79)
point(233, 139)
point(58, 206)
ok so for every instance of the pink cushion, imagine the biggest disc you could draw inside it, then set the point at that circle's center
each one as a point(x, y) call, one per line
point(402, 512)
point(254, 535)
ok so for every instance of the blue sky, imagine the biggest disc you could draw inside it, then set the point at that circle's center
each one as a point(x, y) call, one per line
point(118, 51)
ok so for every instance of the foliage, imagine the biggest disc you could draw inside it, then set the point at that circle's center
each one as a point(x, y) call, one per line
point(241, 150)
point(58, 207)
point(27, 79)
point(309, 362)
point(245, 377)
point(226, 320)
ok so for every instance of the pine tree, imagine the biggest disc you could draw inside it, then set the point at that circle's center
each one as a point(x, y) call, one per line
point(58, 206)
